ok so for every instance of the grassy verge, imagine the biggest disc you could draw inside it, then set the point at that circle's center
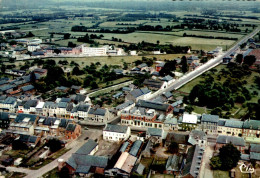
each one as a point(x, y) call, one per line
point(220, 174)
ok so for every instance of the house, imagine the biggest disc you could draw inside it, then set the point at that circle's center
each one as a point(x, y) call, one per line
point(116, 132)
point(192, 59)
point(29, 140)
point(118, 95)
point(189, 122)
point(28, 89)
point(86, 165)
point(81, 111)
point(172, 165)
point(23, 124)
point(141, 117)
point(73, 131)
point(238, 142)
point(8, 104)
point(170, 123)
point(4, 120)
point(29, 107)
point(231, 127)
point(159, 66)
point(209, 123)
point(251, 128)
point(168, 95)
point(99, 115)
point(254, 152)
point(135, 150)
point(62, 89)
point(139, 168)
point(137, 94)
point(192, 162)
point(159, 107)
point(198, 137)
point(126, 105)
point(226, 59)
point(124, 165)
point(89, 148)
point(179, 138)
point(76, 89)
point(41, 72)
point(168, 79)
point(155, 135)
point(49, 109)
point(154, 84)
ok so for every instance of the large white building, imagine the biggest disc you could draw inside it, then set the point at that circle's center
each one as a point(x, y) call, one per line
point(116, 132)
point(89, 51)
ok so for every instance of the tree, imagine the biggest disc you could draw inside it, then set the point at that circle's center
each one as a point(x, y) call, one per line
point(57, 51)
point(71, 44)
point(30, 34)
point(19, 145)
point(32, 77)
point(93, 85)
point(54, 145)
point(249, 60)
point(173, 147)
point(215, 163)
point(184, 64)
point(64, 173)
point(76, 71)
point(13, 42)
point(66, 36)
point(239, 58)
point(3, 68)
point(229, 156)
point(189, 108)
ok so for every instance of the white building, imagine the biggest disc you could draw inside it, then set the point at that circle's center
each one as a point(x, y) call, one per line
point(189, 118)
point(33, 47)
point(89, 51)
point(116, 132)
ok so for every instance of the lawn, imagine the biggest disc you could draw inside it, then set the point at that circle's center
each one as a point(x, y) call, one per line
point(115, 60)
point(220, 174)
point(51, 174)
point(15, 175)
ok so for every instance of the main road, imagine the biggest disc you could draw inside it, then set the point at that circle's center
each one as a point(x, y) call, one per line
point(205, 67)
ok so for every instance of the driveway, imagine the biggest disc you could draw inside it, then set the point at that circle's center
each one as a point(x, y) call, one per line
point(205, 171)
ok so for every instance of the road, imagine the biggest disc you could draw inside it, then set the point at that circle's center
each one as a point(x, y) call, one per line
point(205, 67)
point(74, 146)
point(205, 171)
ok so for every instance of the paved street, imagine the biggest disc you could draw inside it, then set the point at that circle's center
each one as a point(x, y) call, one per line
point(205, 171)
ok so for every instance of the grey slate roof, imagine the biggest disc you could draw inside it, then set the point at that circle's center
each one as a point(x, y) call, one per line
point(209, 118)
point(168, 94)
point(78, 162)
point(30, 103)
point(245, 157)
point(153, 83)
point(255, 148)
point(20, 117)
point(4, 116)
point(98, 111)
point(221, 122)
point(49, 121)
point(124, 146)
point(139, 168)
point(83, 107)
point(80, 98)
point(139, 92)
point(9, 100)
point(167, 78)
point(234, 124)
point(252, 124)
point(87, 147)
point(28, 88)
point(154, 132)
point(62, 105)
point(152, 105)
point(6, 87)
point(237, 141)
point(115, 128)
point(255, 156)
point(70, 127)
point(135, 148)
point(124, 105)
point(172, 163)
